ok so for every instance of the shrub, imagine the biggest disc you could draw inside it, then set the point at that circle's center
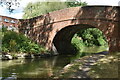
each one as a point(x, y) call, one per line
point(17, 42)
point(88, 38)
point(92, 37)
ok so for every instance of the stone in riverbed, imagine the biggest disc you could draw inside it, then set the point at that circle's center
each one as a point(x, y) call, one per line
point(7, 57)
point(22, 55)
point(115, 59)
point(29, 56)
point(88, 64)
point(79, 77)
point(86, 69)
point(67, 66)
point(91, 61)
point(80, 67)
point(111, 57)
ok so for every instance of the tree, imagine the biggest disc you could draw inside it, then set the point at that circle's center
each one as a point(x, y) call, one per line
point(92, 37)
point(40, 8)
point(75, 3)
point(9, 3)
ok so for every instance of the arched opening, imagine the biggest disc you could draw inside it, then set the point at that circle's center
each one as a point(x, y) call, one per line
point(62, 40)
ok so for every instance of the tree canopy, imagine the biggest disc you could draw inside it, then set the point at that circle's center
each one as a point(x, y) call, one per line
point(40, 8)
point(9, 3)
point(75, 3)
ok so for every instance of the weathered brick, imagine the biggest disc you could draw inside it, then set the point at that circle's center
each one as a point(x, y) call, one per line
point(59, 26)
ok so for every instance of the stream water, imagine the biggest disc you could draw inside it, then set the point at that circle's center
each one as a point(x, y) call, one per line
point(38, 68)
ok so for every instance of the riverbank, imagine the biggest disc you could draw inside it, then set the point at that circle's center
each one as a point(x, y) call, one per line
point(9, 56)
point(93, 66)
point(17, 45)
point(84, 52)
point(63, 67)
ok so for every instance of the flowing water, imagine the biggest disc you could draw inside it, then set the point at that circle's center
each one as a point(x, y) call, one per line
point(37, 68)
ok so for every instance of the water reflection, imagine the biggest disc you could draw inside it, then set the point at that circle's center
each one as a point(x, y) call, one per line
point(40, 68)
point(34, 68)
point(95, 49)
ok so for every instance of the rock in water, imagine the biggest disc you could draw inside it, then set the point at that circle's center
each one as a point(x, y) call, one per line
point(8, 56)
point(86, 69)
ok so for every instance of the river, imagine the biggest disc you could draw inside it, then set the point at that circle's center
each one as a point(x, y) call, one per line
point(38, 68)
point(34, 68)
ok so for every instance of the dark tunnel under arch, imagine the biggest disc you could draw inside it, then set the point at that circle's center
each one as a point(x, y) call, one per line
point(62, 39)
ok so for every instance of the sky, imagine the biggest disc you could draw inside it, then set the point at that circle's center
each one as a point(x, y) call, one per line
point(18, 12)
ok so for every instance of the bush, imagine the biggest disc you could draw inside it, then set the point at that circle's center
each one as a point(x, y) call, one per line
point(88, 38)
point(17, 42)
point(77, 43)
point(92, 37)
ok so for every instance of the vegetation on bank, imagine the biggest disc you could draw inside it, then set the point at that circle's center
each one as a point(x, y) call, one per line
point(13, 42)
point(88, 38)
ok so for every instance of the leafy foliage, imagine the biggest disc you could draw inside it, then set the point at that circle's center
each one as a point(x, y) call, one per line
point(92, 37)
point(40, 8)
point(88, 37)
point(77, 42)
point(75, 3)
point(16, 42)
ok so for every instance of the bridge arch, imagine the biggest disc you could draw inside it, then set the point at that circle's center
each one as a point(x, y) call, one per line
point(62, 39)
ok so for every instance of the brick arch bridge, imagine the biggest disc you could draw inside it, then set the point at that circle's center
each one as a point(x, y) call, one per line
point(56, 29)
